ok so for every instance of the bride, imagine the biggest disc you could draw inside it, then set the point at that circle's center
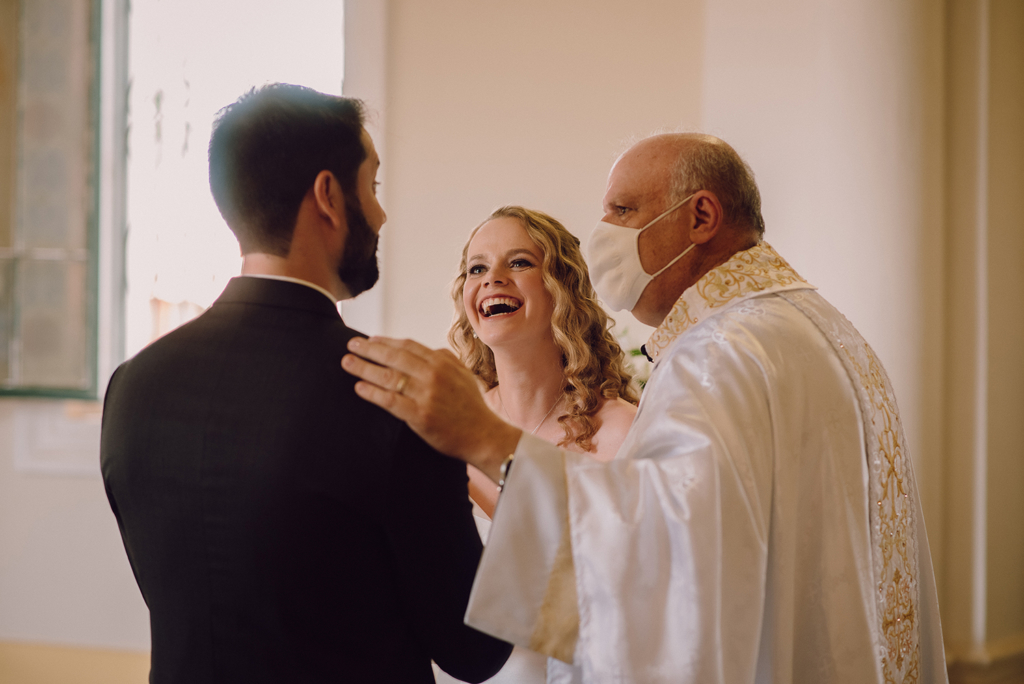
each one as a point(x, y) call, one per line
point(529, 326)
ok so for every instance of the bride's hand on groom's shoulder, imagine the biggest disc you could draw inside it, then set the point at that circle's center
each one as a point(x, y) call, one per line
point(435, 394)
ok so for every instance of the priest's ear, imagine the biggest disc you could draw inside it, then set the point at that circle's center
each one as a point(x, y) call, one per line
point(708, 217)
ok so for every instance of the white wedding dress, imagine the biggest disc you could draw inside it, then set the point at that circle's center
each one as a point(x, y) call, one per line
point(523, 666)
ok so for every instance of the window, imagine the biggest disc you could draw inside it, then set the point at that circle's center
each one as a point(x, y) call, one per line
point(108, 234)
point(184, 67)
point(48, 229)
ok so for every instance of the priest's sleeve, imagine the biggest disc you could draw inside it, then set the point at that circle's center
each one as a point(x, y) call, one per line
point(525, 589)
point(651, 567)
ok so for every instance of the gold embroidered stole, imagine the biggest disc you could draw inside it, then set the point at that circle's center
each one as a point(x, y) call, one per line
point(892, 510)
point(758, 271)
point(755, 271)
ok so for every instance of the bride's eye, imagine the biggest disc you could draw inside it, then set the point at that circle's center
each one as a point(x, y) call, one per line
point(521, 263)
point(476, 269)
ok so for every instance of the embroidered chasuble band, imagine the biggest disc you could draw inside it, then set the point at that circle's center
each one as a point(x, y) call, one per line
point(893, 543)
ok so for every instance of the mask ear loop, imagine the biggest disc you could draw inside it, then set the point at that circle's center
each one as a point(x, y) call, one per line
point(667, 212)
point(681, 254)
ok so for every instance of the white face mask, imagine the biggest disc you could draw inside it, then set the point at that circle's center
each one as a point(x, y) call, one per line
point(613, 254)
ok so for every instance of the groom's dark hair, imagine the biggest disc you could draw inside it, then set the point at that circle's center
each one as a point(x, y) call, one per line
point(267, 149)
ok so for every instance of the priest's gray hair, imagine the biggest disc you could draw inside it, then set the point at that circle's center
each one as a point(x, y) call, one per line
point(711, 164)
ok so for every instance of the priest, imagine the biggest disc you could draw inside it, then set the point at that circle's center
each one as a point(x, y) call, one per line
point(761, 522)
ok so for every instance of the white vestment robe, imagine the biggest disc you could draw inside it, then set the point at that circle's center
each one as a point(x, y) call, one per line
point(760, 523)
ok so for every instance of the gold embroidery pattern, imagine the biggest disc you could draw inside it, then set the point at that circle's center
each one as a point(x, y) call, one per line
point(890, 490)
point(757, 270)
point(761, 270)
point(894, 545)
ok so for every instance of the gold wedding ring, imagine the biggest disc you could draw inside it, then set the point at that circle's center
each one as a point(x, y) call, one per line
point(402, 382)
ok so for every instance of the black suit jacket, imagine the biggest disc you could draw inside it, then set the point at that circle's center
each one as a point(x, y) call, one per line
point(280, 528)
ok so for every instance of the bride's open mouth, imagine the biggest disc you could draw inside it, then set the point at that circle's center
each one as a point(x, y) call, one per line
point(498, 306)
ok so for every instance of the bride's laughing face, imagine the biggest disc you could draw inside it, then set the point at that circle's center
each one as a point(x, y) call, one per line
point(504, 294)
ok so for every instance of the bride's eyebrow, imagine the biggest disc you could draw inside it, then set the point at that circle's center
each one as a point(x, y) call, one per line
point(520, 250)
point(509, 253)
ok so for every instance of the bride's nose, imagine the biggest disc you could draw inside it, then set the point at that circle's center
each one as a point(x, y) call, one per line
point(496, 278)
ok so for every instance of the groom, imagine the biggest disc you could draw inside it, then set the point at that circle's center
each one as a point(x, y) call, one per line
point(281, 529)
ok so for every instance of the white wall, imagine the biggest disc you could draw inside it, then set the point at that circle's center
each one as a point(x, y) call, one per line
point(1005, 429)
point(838, 108)
point(64, 576)
point(985, 373)
point(516, 103)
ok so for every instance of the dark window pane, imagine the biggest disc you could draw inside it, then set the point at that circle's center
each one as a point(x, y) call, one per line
point(52, 300)
point(6, 317)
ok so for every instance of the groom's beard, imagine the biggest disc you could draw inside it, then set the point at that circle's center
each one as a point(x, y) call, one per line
point(358, 268)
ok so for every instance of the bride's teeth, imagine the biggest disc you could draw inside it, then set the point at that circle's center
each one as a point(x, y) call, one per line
point(500, 305)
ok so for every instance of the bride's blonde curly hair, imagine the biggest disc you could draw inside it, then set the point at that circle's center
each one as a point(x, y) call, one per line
point(594, 364)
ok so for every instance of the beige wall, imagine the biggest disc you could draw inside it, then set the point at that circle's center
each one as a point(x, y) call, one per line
point(848, 114)
point(8, 94)
point(530, 103)
point(1005, 517)
point(984, 555)
point(838, 107)
point(64, 576)
point(526, 103)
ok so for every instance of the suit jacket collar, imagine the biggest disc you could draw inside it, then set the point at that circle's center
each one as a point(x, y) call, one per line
point(276, 293)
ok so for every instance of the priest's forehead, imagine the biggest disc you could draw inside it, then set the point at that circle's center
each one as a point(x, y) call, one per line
point(643, 173)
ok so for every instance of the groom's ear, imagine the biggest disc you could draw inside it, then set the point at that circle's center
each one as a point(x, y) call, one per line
point(329, 199)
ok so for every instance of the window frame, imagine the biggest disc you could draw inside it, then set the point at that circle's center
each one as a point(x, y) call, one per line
point(92, 222)
point(365, 30)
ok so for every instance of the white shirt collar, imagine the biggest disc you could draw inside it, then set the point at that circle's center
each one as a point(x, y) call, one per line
point(299, 281)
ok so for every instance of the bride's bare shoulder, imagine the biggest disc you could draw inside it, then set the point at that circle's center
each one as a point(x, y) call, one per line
point(616, 417)
point(617, 411)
